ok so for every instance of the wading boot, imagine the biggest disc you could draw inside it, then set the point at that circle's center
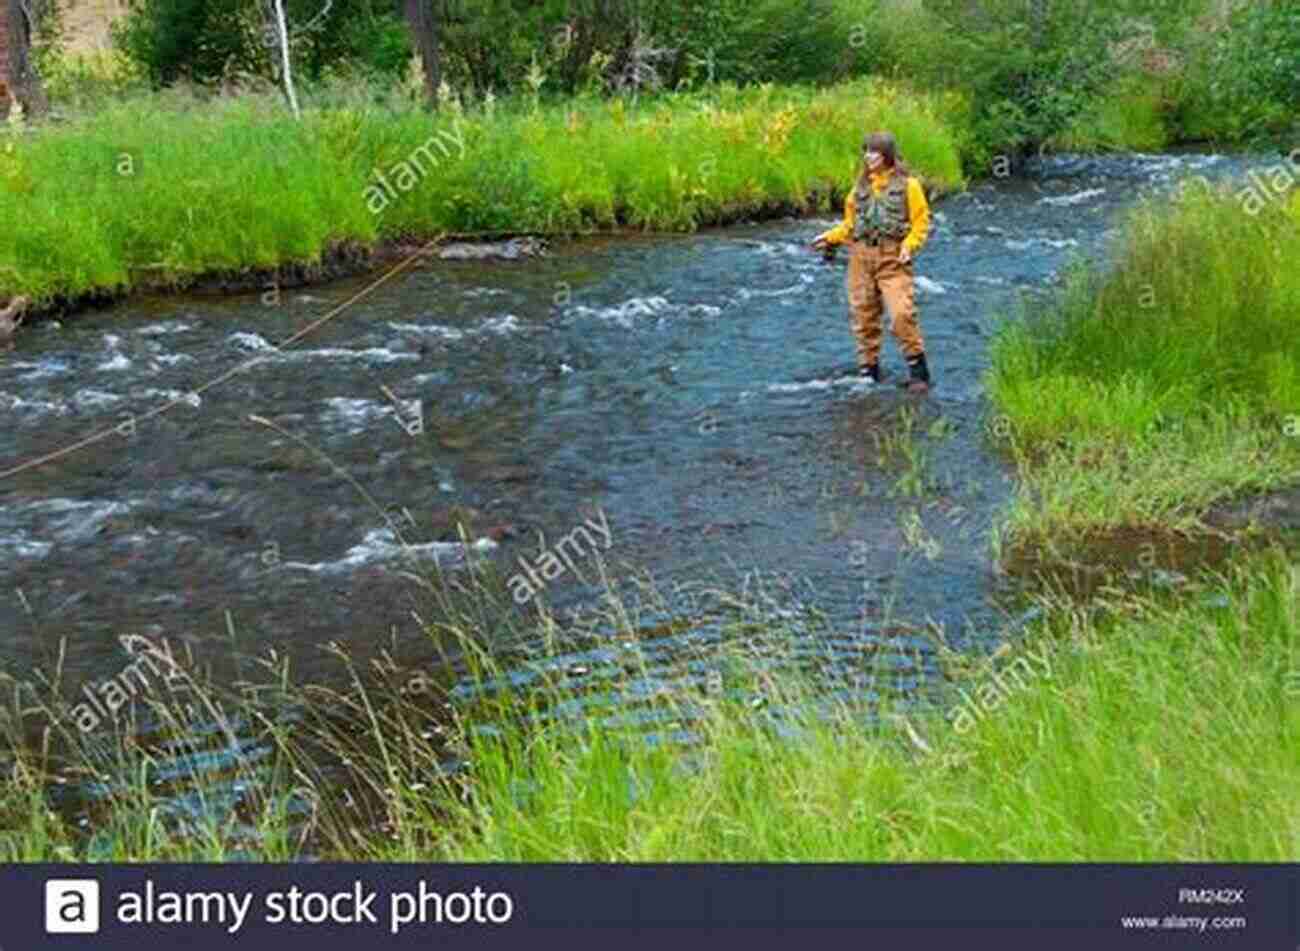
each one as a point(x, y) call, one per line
point(919, 381)
point(869, 371)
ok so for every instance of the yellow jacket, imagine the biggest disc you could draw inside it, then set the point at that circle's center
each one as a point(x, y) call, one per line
point(918, 210)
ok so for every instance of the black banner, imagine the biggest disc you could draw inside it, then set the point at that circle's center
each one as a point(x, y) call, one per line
point(357, 906)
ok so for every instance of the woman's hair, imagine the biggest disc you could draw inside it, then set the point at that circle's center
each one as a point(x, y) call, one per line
point(884, 143)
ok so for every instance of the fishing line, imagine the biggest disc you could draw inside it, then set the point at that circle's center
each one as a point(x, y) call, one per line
point(102, 434)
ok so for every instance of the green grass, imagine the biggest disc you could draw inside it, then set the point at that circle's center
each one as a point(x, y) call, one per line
point(1159, 730)
point(153, 190)
point(1145, 393)
point(1172, 733)
point(162, 188)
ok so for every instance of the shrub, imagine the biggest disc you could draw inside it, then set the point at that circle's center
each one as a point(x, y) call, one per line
point(205, 40)
point(494, 44)
point(1032, 68)
point(792, 41)
point(1128, 115)
point(172, 39)
point(1264, 49)
point(1241, 82)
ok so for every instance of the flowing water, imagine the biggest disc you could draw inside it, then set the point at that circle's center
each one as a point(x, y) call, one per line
point(692, 389)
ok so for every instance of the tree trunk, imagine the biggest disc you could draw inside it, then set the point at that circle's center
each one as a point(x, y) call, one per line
point(7, 35)
point(286, 68)
point(18, 76)
point(419, 16)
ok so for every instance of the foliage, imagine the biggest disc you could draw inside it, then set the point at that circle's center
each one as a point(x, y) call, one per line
point(1242, 81)
point(787, 41)
point(1158, 388)
point(195, 39)
point(1073, 73)
point(91, 80)
point(1129, 114)
point(208, 40)
point(51, 34)
point(584, 43)
point(1164, 730)
point(1032, 67)
point(275, 192)
point(1263, 50)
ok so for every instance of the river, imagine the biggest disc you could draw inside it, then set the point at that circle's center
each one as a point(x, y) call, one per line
point(687, 388)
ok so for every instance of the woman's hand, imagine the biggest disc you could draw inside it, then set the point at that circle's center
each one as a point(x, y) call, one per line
point(819, 243)
point(904, 255)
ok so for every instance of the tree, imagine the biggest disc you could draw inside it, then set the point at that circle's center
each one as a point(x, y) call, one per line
point(281, 32)
point(424, 33)
point(210, 41)
point(19, 78)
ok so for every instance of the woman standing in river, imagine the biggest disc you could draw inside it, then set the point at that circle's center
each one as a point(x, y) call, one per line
point(886, 219)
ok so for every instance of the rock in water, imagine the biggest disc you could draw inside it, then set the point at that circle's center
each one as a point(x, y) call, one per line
point(510, 250)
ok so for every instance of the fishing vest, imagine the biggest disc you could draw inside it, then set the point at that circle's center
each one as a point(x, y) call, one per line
point(884, 215)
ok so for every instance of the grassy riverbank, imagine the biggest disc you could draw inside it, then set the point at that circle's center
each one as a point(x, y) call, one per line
point(1164, 730)
point(134, 188)
point(1146, 393)
point(161, 190)
point(1169, 732)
